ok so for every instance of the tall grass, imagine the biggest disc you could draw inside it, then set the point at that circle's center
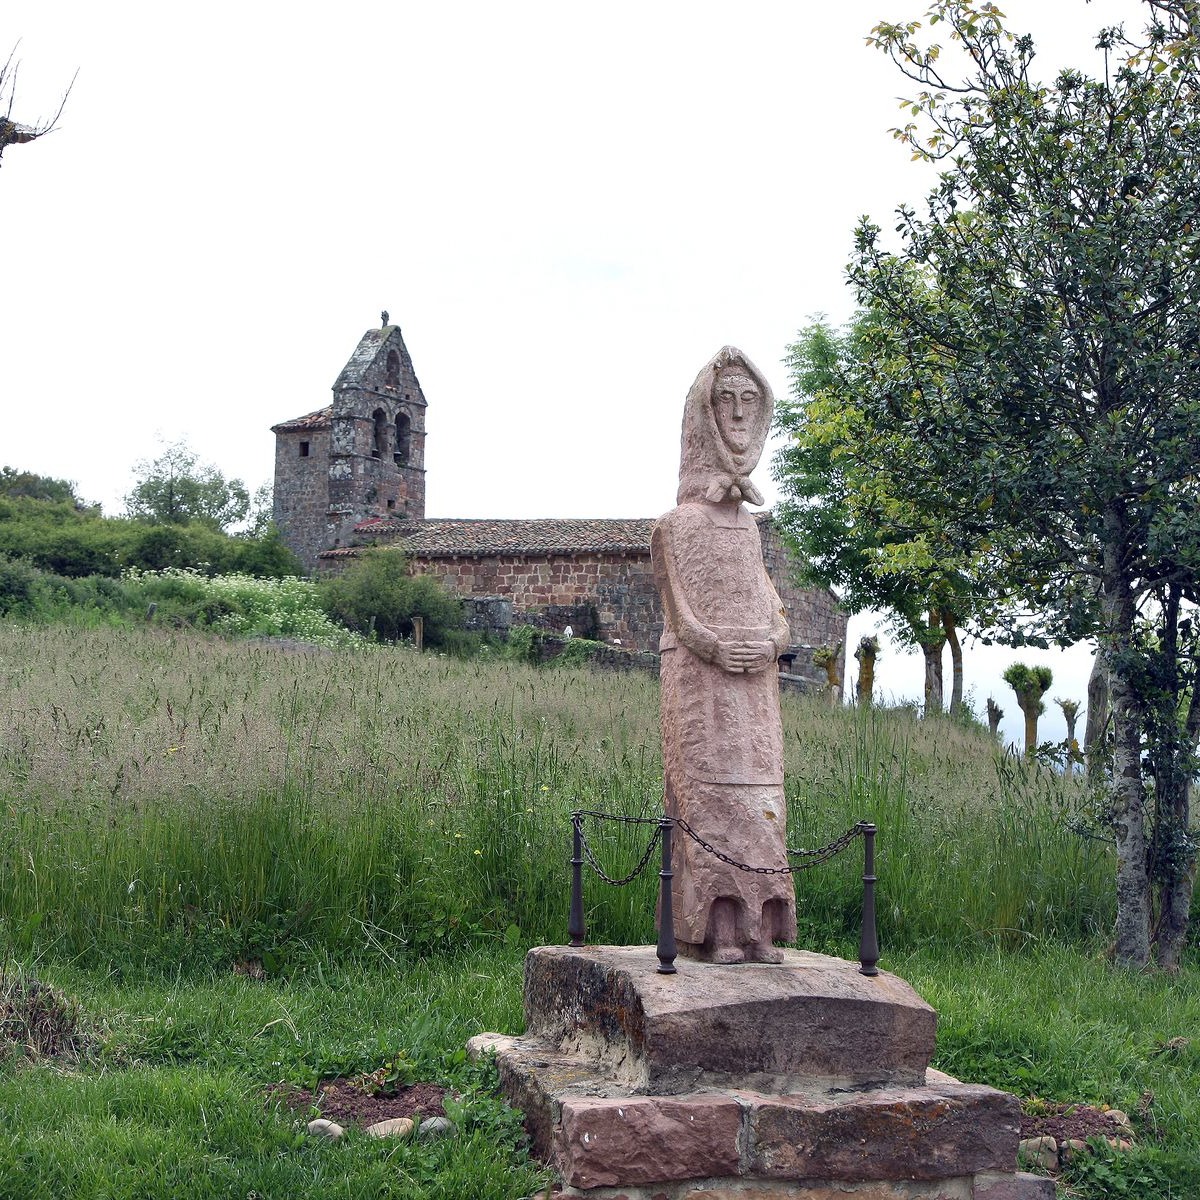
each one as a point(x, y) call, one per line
point(175, 797)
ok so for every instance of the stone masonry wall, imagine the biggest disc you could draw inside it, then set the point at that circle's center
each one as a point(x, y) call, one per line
point(813, 613)
point(370, 473)
point(302, 493)
point(619, 586)
point(621, 589)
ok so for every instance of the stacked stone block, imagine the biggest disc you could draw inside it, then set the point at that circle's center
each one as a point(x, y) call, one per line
point(800, 1081)
point(300, 506)
point(374, 468)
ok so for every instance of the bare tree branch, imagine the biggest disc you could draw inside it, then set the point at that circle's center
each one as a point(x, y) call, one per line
point(13, 132)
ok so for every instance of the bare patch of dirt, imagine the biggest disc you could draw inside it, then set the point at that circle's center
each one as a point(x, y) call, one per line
point(1066, 1121)
point(345, 1101)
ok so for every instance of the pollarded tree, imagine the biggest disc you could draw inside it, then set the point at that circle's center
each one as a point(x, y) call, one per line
point(1059, 260)
point(995, 714)
point(1070, 712)
point(829, 658)
point(13, 133)
point(866, 653)
point(1030, 684)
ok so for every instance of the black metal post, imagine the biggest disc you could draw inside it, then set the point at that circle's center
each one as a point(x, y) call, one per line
point(666, 908)
point(575, 926)
point(868, 946)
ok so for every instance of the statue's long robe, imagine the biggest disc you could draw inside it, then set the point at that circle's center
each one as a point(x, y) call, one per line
point(722, 736)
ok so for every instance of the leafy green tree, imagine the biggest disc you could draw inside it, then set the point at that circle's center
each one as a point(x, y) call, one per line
point(28, 485)
point(1054, 280)
point(177, 489)
point(377, 594)
point(258, 517)
point(846, 512)
point(1030, 684)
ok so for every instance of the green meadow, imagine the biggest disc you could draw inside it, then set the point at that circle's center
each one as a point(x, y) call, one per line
point(245, 862)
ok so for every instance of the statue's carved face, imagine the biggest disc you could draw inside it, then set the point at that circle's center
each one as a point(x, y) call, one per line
point(736, 401)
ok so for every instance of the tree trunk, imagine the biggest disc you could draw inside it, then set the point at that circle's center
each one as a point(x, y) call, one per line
point(1175, 907)
point(950, 624)
point(1131, 944)
point(833, 675)
point(1030, 707)
point(994, 713)
point(1070, 719)
point(866, 671)
point(931, 647)
point(1097, 718)
point(1174, 821)
point(1071, 715)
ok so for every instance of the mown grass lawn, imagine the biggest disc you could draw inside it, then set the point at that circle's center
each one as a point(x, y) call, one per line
point(173, 1102)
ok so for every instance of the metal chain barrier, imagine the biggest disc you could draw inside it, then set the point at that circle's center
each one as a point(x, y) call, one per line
point(582, 852)
point(645, 859)
point(812, 858)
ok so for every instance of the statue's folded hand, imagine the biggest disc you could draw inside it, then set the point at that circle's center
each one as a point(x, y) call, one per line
point(745, 656)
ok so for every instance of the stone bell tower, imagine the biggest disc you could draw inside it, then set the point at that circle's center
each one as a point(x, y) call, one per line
point(362, 456)
point(377, 436)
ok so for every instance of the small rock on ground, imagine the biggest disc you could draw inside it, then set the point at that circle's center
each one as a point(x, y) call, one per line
point(435, 1127)
point(1040, 1152)
point(397, 1127)
point(1121, 1121)
point(326, 1129)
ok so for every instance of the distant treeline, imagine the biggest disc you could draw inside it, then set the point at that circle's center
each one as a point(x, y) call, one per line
point(44, 524)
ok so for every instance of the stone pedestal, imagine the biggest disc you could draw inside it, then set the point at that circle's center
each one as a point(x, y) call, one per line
point(805, 1079)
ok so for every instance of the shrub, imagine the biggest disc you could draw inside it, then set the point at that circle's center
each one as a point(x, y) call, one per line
point(38, 1022)
point(377, 595)
point(21, 587)
point(240, 604)
point(522, 644)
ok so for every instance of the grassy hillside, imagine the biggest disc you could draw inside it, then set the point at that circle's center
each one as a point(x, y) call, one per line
point(386, 832)
point(187, 798)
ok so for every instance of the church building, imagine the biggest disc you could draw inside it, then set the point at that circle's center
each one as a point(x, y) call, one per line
point(352, 475)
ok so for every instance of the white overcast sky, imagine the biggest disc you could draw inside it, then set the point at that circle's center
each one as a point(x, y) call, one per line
point(567, 207)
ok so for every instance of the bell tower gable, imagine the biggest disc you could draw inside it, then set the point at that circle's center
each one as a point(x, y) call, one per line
point(377, 435)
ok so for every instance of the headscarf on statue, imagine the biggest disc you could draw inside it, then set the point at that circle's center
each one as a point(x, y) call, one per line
point(709, 469)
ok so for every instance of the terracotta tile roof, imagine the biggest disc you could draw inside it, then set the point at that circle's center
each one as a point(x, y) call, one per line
point(439, 538)
point(309, 423)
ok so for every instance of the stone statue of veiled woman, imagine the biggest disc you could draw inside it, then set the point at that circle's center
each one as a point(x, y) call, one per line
point(723, 630)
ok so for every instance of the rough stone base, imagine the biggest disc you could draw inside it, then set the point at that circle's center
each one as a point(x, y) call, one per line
point(802, 1081)
point(597, 1133)
point(1020, 1187)
point(766, 1026)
